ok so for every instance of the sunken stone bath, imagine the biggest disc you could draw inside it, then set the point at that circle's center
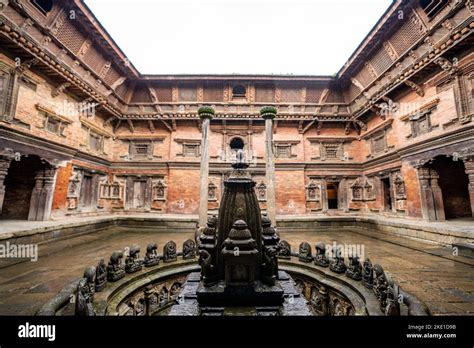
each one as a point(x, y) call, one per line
point(237, 265)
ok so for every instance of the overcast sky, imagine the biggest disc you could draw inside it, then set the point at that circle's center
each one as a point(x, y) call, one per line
point(238, 36)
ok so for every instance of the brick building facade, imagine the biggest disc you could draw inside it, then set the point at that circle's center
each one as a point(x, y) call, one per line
point(83, 132)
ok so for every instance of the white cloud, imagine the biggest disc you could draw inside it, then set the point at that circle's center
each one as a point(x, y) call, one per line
point(238, 36)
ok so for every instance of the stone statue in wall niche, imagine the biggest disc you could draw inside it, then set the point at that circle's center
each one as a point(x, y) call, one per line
point(305, 254)
point(169, 252)
point(151, 257)
point(284, 250)
point(321, 258)
point(100, 276)
point(189, 249)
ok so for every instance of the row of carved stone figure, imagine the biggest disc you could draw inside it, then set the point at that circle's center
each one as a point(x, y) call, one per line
point(372, 277)
point(95, 278)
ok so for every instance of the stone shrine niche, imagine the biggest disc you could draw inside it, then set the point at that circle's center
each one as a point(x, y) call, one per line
point(400, 192)
point(212, 191)
point(111, 193)
point(357, 189)
point(261, 190)
point(83, 190)
point(313, 195)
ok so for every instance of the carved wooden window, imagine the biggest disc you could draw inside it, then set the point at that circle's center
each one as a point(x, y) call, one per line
point(433, 7)
point(331, 151)
point(313, 191)
point(96, 142)
point(3, 91)
point(421, 123)
point(283, 151)
point(159, 191)
point(379, 143)
point(239, 91)
point(261, 191)
point(45, 6)
point(141, 149)
point(212, 191)
point(191, 150)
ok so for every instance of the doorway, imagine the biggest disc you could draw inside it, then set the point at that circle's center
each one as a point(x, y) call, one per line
point(332, 193)
point(139, 188)
point(454, 183)
point(19, 184)
point(387, 194)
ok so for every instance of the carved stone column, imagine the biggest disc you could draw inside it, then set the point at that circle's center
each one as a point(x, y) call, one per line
point(268, 114)
point(205, 114)
point(324, 195)
point(42, 195)
point(6, 156)
point(469, 165)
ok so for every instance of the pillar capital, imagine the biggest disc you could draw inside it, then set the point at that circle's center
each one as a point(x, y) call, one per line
point(206, 112)
point(268, 112)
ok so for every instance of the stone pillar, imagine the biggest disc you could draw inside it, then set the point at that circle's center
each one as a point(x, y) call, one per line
point(469, 165)
point(205, 114)
point(437, 196)
point(43, 193)
point(427, 202)
point(268, 114)
point(6, 156)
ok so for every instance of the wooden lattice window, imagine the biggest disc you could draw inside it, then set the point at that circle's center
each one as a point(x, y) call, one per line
point(141, 149)
point(378, 143)
point(96, 142)
point(45, 6)
point(239, 91)
point(191, 150)
point(3, 91)
point(433, 7)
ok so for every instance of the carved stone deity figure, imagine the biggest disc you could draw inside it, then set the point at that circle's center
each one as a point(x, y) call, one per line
point(321, 258)
point(133, 263)
point(151, 257)
point(100, 276)
point(368, 274)
point(169, 252)
point(392, 307)
point(208, 271)
point(305, 254)
point(337, 264)
point(85, 293)
point(380, 286)
point(354, 271)
point(270, 265)
point(189, 249)
point(115, 268)
point(284, 250)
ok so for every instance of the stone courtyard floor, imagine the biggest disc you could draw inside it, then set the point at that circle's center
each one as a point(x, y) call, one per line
point(430, 272)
